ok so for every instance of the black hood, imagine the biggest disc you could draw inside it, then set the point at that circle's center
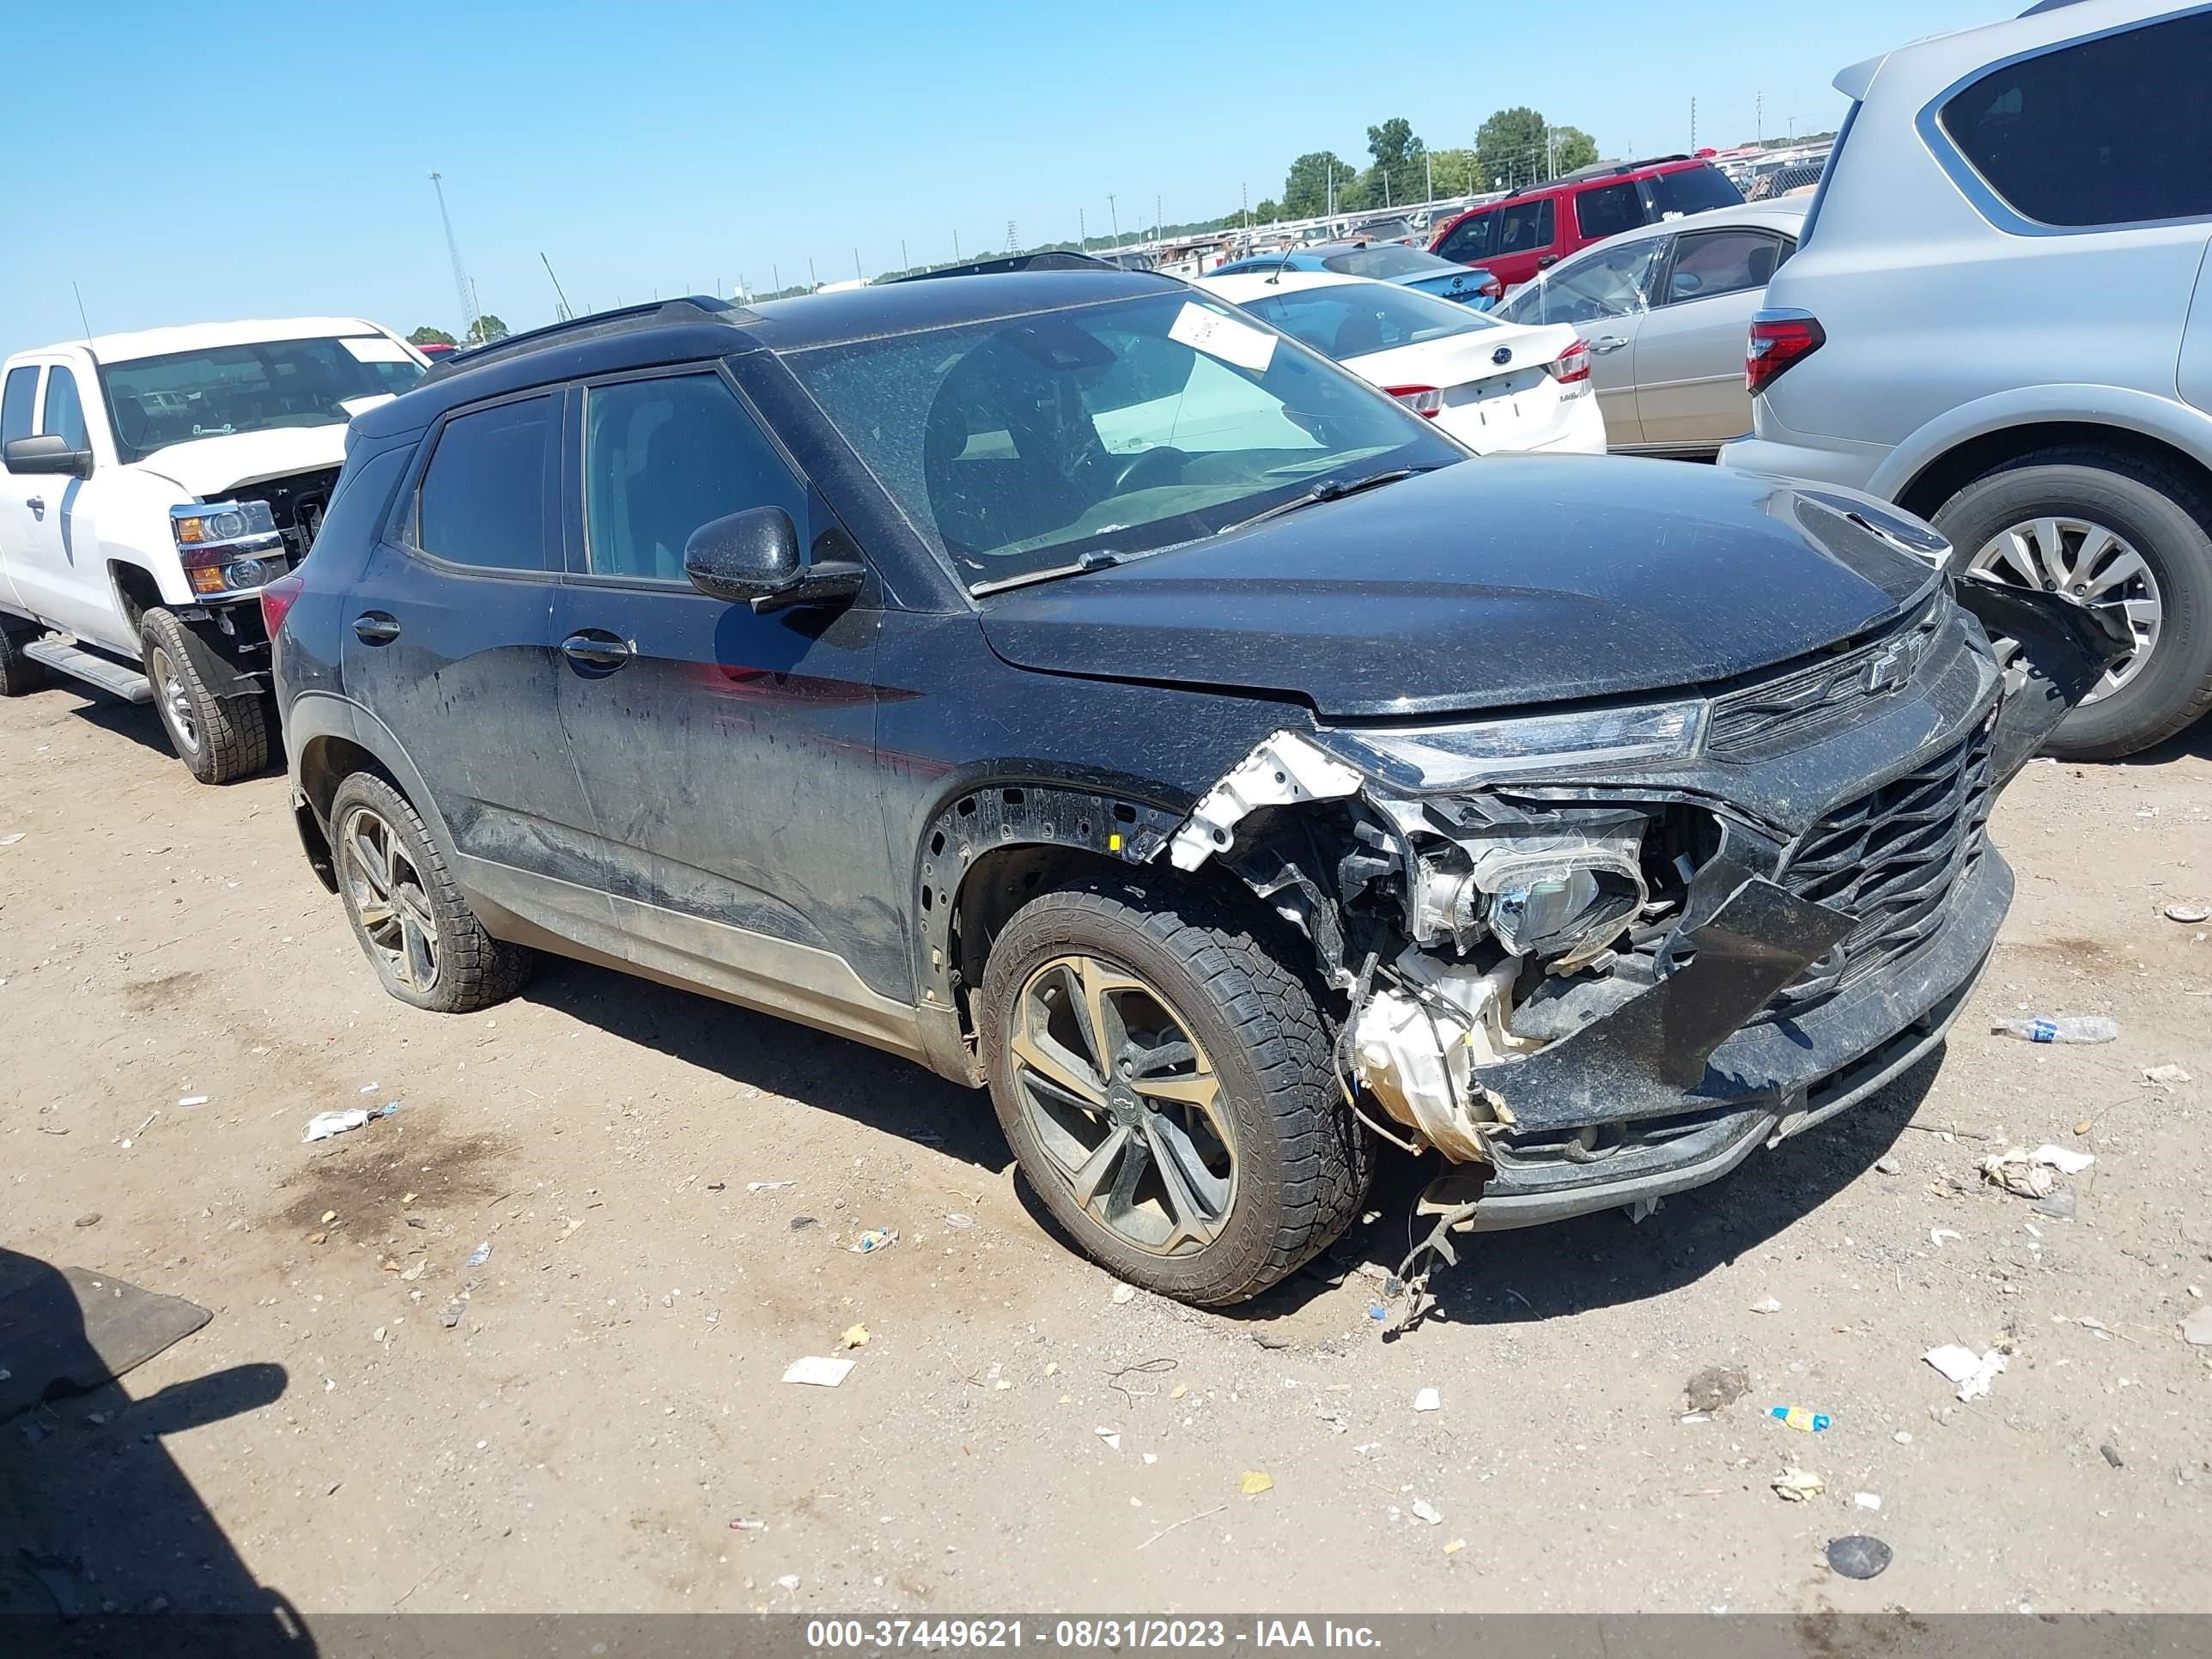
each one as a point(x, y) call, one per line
point(1491, 583)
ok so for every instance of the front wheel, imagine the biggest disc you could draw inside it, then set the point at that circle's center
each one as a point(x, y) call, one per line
point(2108, 531)
point(1167, 1087)
point(220, 739)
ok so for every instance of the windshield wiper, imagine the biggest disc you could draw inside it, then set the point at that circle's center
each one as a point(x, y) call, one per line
point(1088, 562)
point(1329, 489)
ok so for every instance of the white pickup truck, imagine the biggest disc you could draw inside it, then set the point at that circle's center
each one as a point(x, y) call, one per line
point(154, 483)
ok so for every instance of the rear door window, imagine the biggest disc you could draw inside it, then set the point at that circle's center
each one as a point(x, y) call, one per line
point(15, 402)
point(1608, 210)
point(2110, 132)
point(1470, 239)
point(1691, 189)
point(1710, 263)
point(64, 412)
point(1613, 281)
point(484, 498)
point(1524, 227)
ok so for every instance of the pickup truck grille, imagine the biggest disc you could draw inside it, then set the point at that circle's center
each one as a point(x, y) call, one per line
point(1802, 702)
point(1890, 858)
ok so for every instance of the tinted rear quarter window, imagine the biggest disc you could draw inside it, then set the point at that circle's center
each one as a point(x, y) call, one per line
point(2110, 132)
point(483, 497)
point(15, 402)
point(1693, 190)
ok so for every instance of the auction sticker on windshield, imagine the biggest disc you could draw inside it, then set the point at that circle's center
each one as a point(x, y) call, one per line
point(1224, 337)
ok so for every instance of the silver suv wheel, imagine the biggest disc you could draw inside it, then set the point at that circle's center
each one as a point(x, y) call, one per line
point(2089, 562)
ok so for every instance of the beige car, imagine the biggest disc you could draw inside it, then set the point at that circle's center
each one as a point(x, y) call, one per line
point(1666, 310)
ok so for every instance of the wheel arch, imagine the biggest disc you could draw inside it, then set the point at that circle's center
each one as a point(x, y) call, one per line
point(328, 739)
point(1967, 442)
point(137, 590)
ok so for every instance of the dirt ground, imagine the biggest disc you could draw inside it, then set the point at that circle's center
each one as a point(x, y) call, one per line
point(608, 1402)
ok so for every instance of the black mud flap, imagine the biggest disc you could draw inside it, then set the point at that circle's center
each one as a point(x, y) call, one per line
point(1637, 1060)
point(2065, 647)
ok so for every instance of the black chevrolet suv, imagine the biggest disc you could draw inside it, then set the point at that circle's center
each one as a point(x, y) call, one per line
point(1062, 680)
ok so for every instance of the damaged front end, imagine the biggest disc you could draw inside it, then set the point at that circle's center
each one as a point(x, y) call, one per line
point(1595, 957)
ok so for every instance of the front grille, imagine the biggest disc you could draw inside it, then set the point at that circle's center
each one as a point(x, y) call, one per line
point(1798, 703)
point(1890, 858)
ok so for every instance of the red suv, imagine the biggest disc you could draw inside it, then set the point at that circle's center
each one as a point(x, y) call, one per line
point(1526, 230)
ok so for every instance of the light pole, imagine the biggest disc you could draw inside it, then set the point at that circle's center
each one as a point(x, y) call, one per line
point(1116, 213)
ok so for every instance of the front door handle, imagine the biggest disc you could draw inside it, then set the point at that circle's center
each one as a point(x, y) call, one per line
point(374, 627)
point(595, 651)
point(38, 505)
point(1605, 342)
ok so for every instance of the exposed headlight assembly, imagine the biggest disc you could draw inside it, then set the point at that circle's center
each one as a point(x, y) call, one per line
point(1446, 759)
point(228, 547)
point(1561, 899)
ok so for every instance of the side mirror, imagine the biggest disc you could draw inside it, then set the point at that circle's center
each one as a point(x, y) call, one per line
point(48, 452)
point(752, 558)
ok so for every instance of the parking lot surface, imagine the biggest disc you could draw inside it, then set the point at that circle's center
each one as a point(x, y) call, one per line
point(670, 1188)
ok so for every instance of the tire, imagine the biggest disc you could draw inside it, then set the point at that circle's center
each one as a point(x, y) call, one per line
point(1301, 1162)
point(2165, 519)
point(18, 673)
point(431, 924)
point(220, 739)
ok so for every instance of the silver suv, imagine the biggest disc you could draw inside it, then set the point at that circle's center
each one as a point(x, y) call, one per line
point(1997, 319)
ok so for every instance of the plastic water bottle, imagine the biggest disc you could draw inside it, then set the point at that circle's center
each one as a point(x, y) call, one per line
point(2063, 1028)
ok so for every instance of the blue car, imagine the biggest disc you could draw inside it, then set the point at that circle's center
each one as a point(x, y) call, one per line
point(1383, 262)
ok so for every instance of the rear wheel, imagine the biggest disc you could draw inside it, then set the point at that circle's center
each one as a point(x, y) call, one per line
point(2109, 530)
point(18, 673)
point(417, 932)
point(1167, 1087)
point(220, 739)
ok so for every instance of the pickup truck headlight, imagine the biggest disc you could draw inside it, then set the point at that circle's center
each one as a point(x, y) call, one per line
point(1442, 759)
point(228, 547)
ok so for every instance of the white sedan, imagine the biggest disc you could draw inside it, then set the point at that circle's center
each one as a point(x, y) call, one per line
point(1495, 387)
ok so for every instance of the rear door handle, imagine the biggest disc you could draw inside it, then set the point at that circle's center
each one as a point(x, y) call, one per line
point(596, 650)
point(1605, 342)
point(374, 627)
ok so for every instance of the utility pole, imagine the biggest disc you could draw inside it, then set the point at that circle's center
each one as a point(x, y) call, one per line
point(956, 245)
point(856, 265)
point(1116, 214)
point(1081, 233)
point(1245, 192)
point(812, 280)
point(1159, 229)
point(1010, 238)
point(1759, 117)
point(1693, 126)
point(1428, 177)
point(461, 284)
point(905, 263)
point(775, 277)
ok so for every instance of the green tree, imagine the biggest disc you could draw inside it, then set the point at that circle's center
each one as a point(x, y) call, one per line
point(427, 335)
point(486, 329)
point(1266, 212)
point(1573, 147)
point(1456, 172)
point(1305, 191)
point(1397, 177)
point(1511, 142)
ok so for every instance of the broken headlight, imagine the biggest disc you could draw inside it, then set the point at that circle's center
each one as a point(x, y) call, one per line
point(1432, 758)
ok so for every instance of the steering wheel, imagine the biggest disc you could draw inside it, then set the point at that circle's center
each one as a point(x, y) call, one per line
point(1161, 465)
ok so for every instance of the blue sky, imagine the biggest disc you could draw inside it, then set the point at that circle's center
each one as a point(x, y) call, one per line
point(241, 159)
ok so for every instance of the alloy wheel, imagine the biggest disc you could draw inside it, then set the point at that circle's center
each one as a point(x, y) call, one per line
point(389, 898)
point(1126, 1105)
point(174, 699)
point(2086, 561)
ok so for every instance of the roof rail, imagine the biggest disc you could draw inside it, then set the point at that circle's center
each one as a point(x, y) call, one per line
point(1596, 170)
point(1053, 260)
point(692, 308)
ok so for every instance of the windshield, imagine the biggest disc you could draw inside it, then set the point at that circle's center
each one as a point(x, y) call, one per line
point(155, 402)
point(1355, 319)
point(1032, 443)
point(1387, 261)
point(1693, 190)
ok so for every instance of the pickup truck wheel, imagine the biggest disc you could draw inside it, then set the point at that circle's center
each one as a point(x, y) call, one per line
point(1167, 1086)
point(425, 943)
point(2111, 531)
point(220, 739)
point(18, 673)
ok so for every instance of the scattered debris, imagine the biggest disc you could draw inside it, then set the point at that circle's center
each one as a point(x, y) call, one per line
point(1858, 1556)
point(1424, 1510)
point(1158, 1367)
point(1111, 1436)
point(481, 1255)
point(1937, 1235)
point(324, 1125)
point(799, 1224)
point(2059, 1205)
point(1643, 1210)
point(1903, 1437)
point(1866, 1500)
point(1972, 1376)
point(2196, 1329)
point(1888, 1164)
point(90, 1218)
point(1252, 1483)
point(1455, 1547)
point(1187, 1519)
point(455, 1309)
point(1428, 1400)
point(789, 1581)
point(817, 1372)
point(415, 1272)
point(876, 1239)
point(10, 839)
point(2188, 914)
point(2032, 1175)
point(1766, 1304)
point(748, 1524)
point(955, 1219)
point(2061, 1028)
point(768, 1186)
point(191, 1100)
point(1377, 1312)
point(1800, 1418)
point(2168, 1076)
point(717, 1186)
point(1794, 1486)
point(1271, 1340)
point(1716, 1387)
point(1124, 1294)
point(2111, 1454)
point(855, 1336)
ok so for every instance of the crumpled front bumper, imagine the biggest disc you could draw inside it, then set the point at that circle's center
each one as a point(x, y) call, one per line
point(1766, 1082)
